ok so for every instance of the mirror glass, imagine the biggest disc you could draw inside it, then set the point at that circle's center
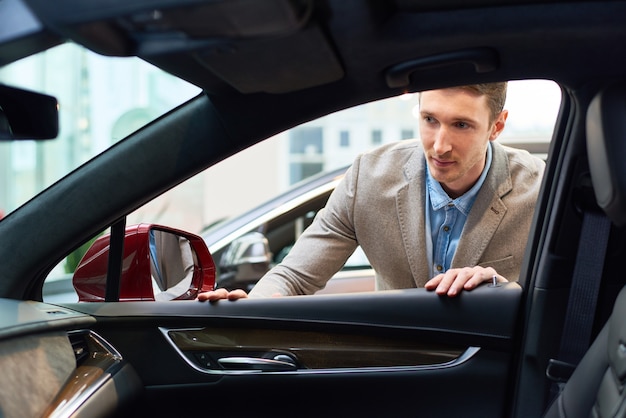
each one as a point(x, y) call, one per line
point(172, 264)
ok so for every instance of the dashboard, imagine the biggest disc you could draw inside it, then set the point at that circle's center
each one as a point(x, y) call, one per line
point(54, 366)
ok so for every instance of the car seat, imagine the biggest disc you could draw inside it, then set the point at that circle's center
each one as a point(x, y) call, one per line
point(598, 385)
point(597, 388)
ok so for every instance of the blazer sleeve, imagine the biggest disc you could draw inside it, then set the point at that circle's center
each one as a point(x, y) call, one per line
point(322, 249)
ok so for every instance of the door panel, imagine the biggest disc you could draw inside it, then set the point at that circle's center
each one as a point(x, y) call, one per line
point(386, 353)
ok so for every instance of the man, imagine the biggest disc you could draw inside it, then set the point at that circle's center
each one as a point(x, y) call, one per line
point(447, 212)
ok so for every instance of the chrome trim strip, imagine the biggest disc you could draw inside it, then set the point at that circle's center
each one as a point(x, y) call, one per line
point(463, 358)
point(107, 347)
point(69, 408)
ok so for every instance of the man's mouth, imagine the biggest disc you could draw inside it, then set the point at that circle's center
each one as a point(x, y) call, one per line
point(441, 163)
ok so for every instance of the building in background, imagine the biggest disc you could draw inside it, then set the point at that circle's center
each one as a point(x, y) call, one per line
point(110, 108)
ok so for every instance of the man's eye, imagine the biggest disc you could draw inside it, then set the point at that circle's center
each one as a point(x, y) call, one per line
point(429, 119)
point(462, 125)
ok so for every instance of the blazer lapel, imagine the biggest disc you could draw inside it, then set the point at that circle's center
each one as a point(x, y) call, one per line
point(410, 207)
point(487, 212)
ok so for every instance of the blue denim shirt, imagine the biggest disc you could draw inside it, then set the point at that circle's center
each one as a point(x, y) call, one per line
point(446, 218)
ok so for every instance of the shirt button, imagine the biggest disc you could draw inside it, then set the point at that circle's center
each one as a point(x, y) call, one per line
point(446, 228)
point(439, 267)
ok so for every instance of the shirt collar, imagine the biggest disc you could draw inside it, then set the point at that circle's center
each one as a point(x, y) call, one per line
point(439, 198)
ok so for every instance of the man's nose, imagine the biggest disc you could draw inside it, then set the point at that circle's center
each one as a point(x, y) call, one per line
point(442, 143)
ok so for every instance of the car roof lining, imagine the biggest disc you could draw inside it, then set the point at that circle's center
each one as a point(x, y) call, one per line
point(314, 45)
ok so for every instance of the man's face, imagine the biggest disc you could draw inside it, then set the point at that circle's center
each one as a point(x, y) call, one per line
point(455, 130)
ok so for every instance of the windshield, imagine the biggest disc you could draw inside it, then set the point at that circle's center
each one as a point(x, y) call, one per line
point(97, 107)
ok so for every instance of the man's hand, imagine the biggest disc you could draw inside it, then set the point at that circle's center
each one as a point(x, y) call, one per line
point(453, 281)
point(218, 294)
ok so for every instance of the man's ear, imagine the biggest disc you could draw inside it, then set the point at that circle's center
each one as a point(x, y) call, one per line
point(498, 125)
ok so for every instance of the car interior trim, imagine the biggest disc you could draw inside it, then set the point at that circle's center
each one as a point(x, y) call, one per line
point(97, 362)
point(35, 316)
point(231, 351)
point(483, 59)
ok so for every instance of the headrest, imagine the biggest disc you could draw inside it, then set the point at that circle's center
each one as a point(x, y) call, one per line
point(606, 149)
point(617, 337)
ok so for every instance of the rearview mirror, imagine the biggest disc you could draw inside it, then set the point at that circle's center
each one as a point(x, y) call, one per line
point(27, 115)
point(159, 263)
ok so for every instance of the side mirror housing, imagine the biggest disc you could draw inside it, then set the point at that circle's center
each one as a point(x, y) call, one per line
point(159, 263)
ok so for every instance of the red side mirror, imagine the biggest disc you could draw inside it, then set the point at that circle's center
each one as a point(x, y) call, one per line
point(160, 263)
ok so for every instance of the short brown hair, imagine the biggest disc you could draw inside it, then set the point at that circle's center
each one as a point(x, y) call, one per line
point(496, 96)
point(495, 92)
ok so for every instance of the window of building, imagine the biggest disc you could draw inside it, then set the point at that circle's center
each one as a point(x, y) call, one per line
point(344, 139)
point(306, 140)
point(377, 137)
point(407, 134)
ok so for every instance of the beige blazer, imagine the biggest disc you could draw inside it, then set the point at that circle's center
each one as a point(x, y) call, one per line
point(380, 205)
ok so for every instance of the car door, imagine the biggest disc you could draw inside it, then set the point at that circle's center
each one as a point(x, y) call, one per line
point(393, 353)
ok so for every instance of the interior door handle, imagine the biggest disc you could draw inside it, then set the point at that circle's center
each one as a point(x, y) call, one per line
point(279, 363)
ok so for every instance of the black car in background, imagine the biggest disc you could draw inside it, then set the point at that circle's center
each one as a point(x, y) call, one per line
point(246, 246)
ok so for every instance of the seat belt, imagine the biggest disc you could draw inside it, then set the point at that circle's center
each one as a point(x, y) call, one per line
point(583, 297)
